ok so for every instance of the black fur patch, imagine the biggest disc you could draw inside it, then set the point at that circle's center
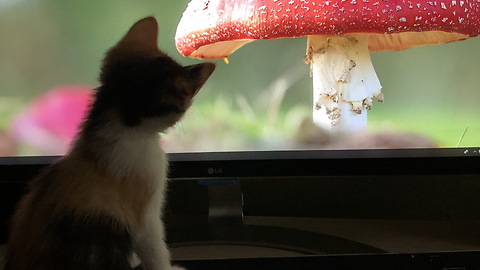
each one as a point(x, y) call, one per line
point(91, 243)
point(139, 88)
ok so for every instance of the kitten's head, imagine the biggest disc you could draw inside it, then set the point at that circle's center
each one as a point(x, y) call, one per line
point(142, 84)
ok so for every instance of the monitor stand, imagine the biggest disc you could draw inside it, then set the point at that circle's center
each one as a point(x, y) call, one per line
point(226, 226)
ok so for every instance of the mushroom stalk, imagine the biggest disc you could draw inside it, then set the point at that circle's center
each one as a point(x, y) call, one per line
point(344, 81)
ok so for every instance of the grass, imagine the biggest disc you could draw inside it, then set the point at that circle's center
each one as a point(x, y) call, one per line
point(448, 126)
point(239, 124)
point(231, 125)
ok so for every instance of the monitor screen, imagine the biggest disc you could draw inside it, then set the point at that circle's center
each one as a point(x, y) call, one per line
point(407, 182)
point(261, 100)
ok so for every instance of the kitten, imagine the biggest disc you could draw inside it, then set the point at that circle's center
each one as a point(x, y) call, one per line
point(103, 200)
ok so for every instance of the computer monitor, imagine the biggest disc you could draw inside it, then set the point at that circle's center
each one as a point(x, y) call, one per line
point(248, 166)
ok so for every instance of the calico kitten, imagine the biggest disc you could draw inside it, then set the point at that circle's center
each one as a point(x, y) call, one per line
point(103, 200)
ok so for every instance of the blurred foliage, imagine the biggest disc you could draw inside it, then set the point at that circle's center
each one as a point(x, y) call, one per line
point(430, 90)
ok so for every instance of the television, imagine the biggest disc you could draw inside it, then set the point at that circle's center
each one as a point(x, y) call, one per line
point(253, 181)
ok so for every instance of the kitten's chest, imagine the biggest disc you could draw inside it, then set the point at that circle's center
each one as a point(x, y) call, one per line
point(141, 166)
point(127, 181)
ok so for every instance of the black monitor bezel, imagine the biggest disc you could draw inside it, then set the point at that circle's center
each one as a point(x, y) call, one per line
point(301, 163)
point(315, 163)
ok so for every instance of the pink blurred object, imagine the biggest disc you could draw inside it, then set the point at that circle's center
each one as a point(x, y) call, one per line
point(51, 121)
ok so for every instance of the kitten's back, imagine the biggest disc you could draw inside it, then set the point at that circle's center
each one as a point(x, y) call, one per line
point(61, 237)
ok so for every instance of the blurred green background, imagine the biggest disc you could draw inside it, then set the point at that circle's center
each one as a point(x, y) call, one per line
point(258, 101)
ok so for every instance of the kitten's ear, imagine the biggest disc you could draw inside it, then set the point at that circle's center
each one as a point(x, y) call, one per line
point(142, 38)
point(200, 73)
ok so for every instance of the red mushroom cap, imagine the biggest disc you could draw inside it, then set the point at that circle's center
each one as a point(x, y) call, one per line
point(216, 28)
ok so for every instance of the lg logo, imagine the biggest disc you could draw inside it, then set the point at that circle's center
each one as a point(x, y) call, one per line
point(212, 171)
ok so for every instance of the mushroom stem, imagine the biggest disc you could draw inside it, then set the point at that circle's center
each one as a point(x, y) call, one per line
point(344, 81)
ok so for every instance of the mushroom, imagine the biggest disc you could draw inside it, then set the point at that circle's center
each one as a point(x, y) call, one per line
point(49, 123)
point(340, 35)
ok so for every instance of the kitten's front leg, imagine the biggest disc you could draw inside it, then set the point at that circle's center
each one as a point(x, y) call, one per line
point(149, 244)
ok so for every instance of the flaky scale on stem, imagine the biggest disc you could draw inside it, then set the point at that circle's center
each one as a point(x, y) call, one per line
point(344, 81)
